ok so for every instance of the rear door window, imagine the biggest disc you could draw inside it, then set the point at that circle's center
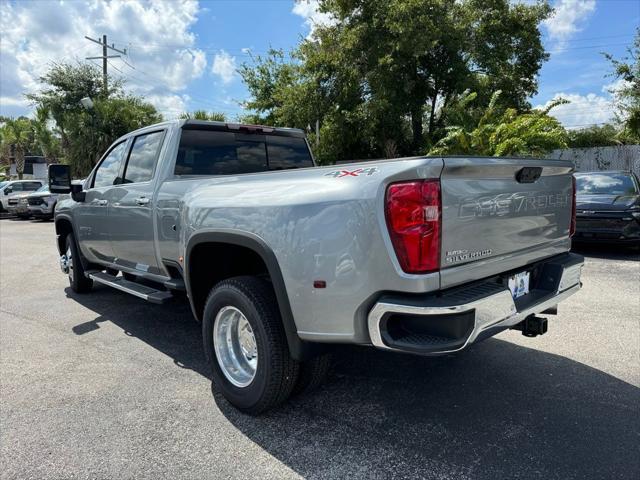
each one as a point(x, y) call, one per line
point(143, 157)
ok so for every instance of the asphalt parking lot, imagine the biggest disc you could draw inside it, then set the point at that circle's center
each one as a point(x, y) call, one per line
point(107, 386)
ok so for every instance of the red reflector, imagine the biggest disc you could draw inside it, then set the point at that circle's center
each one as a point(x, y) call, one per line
point(319, 284)
point(413, 212)
point(572, 228)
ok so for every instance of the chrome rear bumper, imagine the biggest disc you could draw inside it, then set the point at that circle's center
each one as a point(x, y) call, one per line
point(485, 309)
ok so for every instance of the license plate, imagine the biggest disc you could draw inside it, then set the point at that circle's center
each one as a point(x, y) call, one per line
point(519, 284)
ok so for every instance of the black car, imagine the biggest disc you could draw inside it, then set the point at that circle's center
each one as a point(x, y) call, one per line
point(607, 208)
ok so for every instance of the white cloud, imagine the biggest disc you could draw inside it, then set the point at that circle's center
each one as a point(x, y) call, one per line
point(309, 10)
point(583, 110)
point(616, 86)
point(162, 55)
point(171, 106)
point(567, 19)
point(224, 65)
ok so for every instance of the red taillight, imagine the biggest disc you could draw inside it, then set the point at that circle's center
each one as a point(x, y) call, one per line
point(413, 211)
point(572, 228)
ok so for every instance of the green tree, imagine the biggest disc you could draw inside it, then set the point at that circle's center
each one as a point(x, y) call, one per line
point(503, 132)
point(594, 136)
point(5, 149)
point(379, 75)
point(85, 133)
point(204, 115)
point(47, 141)
point(18, 134)
point(627, 98)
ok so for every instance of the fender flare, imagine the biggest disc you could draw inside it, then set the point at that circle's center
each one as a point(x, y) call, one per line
point(67, 218)
point(299, 349)
point(58, 219)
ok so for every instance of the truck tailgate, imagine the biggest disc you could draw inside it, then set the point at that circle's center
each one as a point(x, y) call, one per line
point(501, 213)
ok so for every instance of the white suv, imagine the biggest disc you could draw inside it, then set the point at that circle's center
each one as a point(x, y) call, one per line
point(11, 189)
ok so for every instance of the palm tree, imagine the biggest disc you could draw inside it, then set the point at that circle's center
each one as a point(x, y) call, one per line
point(19, 134)
point(44, 137)
point(204, 115)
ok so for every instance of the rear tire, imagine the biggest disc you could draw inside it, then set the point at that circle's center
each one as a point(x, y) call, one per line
point(266, 374)
point(313, 373)
point(77, 280)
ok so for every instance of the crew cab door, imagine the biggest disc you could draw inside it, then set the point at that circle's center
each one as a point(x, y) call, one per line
point(131, 212)
point(92, 216)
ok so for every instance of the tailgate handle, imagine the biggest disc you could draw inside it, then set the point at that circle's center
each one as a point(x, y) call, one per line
point(528, 174)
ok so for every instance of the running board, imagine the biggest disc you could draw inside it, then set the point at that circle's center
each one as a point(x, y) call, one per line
point(136, 289)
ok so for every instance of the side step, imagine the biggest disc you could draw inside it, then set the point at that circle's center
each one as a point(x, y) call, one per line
point(141, 291)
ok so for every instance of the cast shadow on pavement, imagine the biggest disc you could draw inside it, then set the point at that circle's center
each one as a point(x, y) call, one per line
point(498, 410)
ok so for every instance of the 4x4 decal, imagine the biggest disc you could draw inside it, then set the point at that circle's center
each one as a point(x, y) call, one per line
point(352, 173)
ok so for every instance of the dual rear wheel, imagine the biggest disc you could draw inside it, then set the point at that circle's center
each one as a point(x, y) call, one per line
point(246, 347)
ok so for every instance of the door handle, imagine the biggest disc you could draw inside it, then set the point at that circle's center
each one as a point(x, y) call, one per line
point(99, 202)
point(142, 201)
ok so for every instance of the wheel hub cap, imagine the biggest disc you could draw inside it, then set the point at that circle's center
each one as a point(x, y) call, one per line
point(67, 263)
point(235, 346)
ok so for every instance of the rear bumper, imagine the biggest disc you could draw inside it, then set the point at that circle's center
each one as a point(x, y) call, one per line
point(453, 320)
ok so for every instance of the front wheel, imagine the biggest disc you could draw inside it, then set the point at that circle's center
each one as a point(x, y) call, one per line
point(246, 345)
point(77, 280)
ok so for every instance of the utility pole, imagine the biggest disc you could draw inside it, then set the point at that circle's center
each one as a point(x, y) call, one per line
point(104, 57)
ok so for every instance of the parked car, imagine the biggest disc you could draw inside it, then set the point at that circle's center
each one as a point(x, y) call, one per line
point(13, 188)
point(42, 203)
point(280, 258)
point(19, 206)
point(608, 208)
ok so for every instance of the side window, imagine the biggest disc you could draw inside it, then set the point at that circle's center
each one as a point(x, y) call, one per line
point(143, 157)
point(32, 186)
point(109, 169)
point(17, 187)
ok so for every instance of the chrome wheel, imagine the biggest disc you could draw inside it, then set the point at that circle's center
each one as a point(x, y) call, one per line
point(69, 264)
point(235, 345)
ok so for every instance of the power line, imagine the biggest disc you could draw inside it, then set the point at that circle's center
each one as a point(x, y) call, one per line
point(215, 105)
point(105, 57)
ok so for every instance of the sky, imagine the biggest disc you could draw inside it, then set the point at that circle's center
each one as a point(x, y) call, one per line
point(182, 55)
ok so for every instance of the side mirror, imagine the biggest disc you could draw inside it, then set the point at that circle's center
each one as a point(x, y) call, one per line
point(59, 178)
point(77, 193)
point(8, 190)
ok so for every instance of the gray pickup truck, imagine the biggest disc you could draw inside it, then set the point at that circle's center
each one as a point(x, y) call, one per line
point(281, 258)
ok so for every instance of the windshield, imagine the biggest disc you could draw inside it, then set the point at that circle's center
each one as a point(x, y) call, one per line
point(207, 152)
point(2, 184)
point(605, 184)
point(44, 188)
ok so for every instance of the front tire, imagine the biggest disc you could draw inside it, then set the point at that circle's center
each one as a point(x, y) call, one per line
point(246, 345)
point(77, 280)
